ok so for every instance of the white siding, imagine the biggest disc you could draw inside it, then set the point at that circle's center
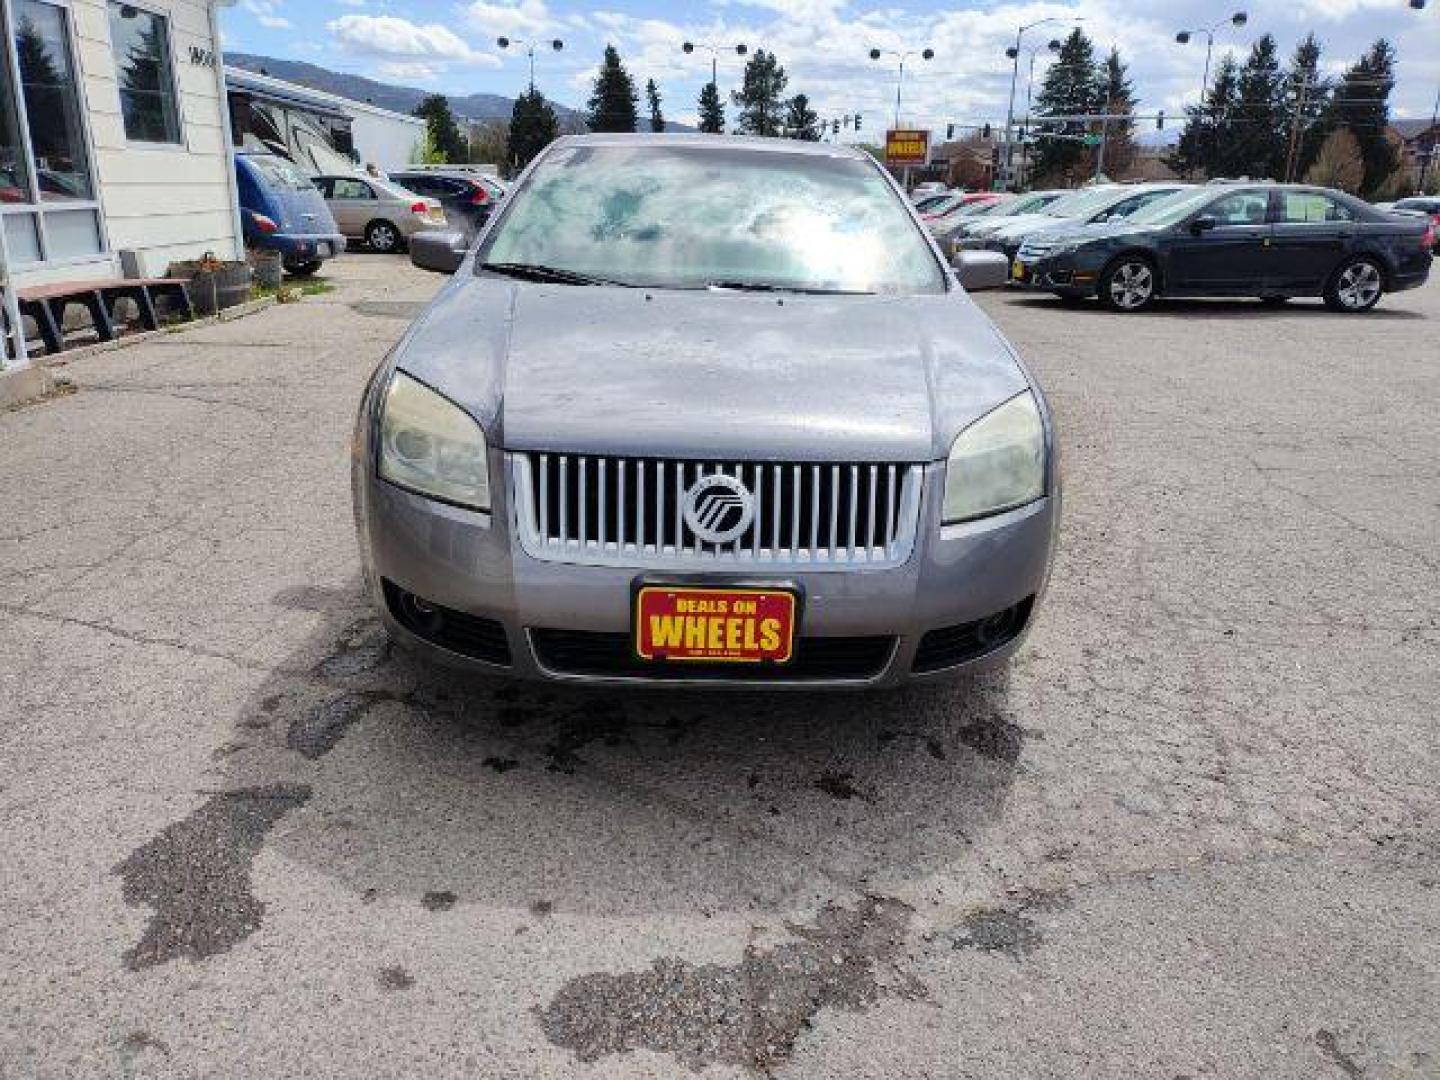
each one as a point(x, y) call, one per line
point(167, 203)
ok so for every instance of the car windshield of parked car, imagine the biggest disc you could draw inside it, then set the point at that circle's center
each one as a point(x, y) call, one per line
point(1026, 204)
point(1234, 208)
point(692, 217)
point(1080, 203)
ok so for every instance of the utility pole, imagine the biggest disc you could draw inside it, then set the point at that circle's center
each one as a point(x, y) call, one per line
point(1104, 134)
point(1292, 152)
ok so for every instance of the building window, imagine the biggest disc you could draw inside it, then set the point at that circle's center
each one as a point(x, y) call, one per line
point(141, 43)
point(47, 79)
point(47, 195)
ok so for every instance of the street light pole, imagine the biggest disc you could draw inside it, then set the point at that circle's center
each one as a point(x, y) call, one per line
point(1054, 46)
point(689, 47)
point(924, 54)
point(1014, 54)
point(505, 43)
point(1236, 20)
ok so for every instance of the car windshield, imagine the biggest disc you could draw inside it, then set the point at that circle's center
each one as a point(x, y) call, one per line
point(673, 216)
point(1078, 203)
point(1175, 208)
point(1027, 204)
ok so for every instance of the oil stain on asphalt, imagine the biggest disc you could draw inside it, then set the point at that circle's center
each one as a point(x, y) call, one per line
point(196, 875)
point(747, 1014)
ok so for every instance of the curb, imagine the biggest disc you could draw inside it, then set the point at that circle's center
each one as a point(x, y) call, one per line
point(24, 384)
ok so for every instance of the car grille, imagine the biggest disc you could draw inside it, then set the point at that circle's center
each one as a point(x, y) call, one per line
point(617, 511)
point(817, 659)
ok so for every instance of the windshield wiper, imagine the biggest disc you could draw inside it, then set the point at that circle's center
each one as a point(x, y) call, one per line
point(553, 274)
point(761, 286)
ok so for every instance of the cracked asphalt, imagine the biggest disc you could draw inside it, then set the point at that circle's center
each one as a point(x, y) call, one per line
point(1192, 832)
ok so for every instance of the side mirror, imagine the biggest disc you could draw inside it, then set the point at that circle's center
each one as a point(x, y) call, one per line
point(981, 269)
point(440, 252)
point(1202, 224)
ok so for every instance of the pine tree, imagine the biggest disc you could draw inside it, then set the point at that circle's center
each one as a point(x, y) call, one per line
point(712, 111)
point(1305, 100)
point(1069, 89)
point(761, 95)
point(444, 131)
point(801, 121)
point(1210, 125)
point(1115, 95)
point(652, 95)
point(1361, 102)
point(1256, 146)
point(612, 105)
point(532, 127)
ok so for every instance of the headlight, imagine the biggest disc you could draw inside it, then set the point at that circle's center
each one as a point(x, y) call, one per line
point(431, 446)
point(997, 463)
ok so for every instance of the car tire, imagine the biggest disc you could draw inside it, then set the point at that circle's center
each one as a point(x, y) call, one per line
point(304, 269)
point(1129, 284)
point(383, 237)
point(1356, 286)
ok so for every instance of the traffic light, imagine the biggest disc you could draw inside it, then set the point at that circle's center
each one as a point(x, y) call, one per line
point(857, 121)
point(835, 127)
point(949, 132)
point(985, 132)
point(1160, 120)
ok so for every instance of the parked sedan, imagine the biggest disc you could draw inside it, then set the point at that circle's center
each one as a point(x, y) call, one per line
point(379, 212)
point(737, 425)
point(468, 197)
point(1270, 241)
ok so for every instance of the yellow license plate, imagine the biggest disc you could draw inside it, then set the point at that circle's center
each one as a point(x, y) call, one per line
point(718, 626)
point(1017, 270)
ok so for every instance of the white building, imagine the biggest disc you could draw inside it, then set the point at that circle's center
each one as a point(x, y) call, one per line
point(114, 146)
point(320, 132)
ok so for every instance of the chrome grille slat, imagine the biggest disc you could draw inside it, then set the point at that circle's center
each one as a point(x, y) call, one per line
point(608, 510)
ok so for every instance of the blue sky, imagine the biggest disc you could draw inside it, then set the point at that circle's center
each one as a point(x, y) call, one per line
point(449, 45)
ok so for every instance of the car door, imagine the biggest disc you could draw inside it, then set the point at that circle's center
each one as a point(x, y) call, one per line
point(1222, 248)
point(353, 203)
point(1312, 232)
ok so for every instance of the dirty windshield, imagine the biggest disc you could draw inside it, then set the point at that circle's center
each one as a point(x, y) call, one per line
point(681, 217)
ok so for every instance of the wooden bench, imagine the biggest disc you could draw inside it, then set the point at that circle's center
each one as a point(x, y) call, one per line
point(47, 304)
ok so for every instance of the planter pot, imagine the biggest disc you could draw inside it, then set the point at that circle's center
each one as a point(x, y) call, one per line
point(214, 285)
point(268, 268)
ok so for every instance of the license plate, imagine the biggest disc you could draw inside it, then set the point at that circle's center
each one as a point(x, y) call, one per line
point(714, 625)
point(1017, 270)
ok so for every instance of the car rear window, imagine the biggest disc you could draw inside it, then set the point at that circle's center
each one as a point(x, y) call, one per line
point(280, 174)
point(671, 216)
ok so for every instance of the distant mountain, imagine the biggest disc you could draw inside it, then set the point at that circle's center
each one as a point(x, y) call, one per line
point(402, 99)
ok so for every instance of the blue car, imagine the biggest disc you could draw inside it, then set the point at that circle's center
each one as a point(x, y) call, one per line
point(281, 210)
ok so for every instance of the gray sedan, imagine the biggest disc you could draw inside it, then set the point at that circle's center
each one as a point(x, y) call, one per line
point(705, 410)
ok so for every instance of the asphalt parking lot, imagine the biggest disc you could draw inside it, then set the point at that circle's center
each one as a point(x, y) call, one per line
point(1193, 832)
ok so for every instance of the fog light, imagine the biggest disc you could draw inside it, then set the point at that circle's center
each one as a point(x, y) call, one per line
point(421, 615)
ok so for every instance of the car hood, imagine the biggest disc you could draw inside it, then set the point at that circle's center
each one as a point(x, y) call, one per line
point(1079, 233)
point(711, 374)
point(1039, 223)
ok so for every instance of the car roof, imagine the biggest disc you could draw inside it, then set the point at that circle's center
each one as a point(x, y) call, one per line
point(698, 140)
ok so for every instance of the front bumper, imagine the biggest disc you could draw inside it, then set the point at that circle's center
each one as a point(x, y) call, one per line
point(530, 612)
point(1053, 273)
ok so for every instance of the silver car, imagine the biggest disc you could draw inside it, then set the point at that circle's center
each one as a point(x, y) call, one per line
point(382, 214)
point(706, 410)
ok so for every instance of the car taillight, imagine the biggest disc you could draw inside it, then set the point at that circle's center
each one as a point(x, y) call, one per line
point(1428, 240)
point(478, 196)
point(264, 224)
point(419, 208)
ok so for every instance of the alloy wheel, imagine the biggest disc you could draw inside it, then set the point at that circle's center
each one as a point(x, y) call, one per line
point(1132, 285)
point(1359, 285)
point(382, 237)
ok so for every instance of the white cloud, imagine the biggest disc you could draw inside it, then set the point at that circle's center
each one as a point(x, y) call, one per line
point(389, 37)
point(520, 18)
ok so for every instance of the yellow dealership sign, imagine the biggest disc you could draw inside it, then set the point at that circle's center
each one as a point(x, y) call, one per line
point(907, 146)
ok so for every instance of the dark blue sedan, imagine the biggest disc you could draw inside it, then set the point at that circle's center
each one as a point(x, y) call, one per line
point(1272, 241)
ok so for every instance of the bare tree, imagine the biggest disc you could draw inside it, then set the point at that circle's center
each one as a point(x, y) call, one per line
point(1338, 164)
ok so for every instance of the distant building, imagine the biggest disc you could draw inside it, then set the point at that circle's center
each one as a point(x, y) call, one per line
point(1418, 139)
point(320, 132)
